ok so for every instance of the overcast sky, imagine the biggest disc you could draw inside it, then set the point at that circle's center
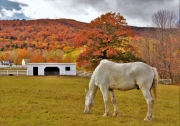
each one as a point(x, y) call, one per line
point(136, 12)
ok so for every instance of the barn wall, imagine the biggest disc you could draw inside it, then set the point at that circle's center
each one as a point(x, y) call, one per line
point(61, 66)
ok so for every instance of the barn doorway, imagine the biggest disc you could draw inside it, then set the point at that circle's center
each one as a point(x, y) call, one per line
point(51, 71)
point(35, 71)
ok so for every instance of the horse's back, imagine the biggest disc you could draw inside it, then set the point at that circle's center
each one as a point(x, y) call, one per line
point(132, 70)
point(122, 74)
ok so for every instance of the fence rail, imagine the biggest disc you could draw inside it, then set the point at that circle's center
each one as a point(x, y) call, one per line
point(83, 74)
point(78, 73)
point(14, 66)
point(12, 72)
point(24, 72)
point(165, 81)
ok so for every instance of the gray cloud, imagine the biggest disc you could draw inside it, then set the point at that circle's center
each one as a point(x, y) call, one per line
point(97, 4)
point(143, 10)
point(11, 7)
point(137, 12)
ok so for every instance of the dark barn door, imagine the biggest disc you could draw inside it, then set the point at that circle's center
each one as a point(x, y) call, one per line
point(35, 71)
point(51, 71)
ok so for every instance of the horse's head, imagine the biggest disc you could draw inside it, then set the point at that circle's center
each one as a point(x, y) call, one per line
point(89, 102)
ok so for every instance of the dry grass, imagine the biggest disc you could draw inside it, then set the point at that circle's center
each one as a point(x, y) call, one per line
point(59, 101)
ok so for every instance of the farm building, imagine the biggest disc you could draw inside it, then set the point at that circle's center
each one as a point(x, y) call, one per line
point(6, 62)
point(51, 69)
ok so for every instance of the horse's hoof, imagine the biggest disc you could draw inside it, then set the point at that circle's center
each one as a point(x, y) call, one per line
point(148, 118)
point(115, 114)
point(106, 114)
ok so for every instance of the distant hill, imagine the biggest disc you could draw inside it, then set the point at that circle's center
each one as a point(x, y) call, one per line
point(42, 33)
point(73, 23)
point(138, 29)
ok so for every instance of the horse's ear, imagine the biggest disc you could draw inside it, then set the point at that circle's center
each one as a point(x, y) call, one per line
point(86, 91)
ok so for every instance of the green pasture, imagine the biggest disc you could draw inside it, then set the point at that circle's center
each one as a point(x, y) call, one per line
point(59, 101)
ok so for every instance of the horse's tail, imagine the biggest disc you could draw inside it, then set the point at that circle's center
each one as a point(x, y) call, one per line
point(155, 82)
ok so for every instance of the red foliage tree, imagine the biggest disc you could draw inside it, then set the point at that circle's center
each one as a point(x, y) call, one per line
point(106, 38)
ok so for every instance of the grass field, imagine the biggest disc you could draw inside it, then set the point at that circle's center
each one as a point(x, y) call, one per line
point(59, 101)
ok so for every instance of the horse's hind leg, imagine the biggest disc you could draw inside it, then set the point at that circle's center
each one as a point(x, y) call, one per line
point(113, 99)
point(150, 103)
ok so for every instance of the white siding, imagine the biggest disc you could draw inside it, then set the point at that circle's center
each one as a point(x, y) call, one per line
point(61, 66)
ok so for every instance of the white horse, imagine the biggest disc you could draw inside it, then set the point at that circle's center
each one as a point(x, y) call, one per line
point(122, 76)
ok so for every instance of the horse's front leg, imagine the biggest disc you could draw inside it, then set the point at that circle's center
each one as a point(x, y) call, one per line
point(113, 99)
point(104, 91)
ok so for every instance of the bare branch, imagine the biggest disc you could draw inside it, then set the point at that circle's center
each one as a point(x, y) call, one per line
point(164, 19)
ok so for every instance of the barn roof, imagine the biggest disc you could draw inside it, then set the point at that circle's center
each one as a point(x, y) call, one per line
point(51, 63)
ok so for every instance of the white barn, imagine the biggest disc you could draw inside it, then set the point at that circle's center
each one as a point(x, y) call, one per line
point(51, 69)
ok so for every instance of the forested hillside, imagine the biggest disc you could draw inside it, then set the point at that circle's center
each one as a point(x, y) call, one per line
point(42, 33)
point(39, 34)
point(43, 40)
point(67, 40)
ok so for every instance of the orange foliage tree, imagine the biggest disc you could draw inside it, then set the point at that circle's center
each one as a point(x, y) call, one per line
point(107, 37)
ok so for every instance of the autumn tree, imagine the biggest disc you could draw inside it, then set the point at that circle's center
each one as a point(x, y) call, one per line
point(166, 46)
point(145, 44)
point(107, 37)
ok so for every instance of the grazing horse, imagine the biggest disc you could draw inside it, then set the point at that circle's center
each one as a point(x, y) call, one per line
point(122, 76)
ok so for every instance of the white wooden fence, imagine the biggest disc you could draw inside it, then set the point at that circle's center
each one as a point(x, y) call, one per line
point(12, 72)
point(24, 72)
point(83, 74)
point(78, 73)
point(165, 81)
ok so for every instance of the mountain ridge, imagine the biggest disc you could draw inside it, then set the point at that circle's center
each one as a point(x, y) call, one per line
point(42, 33)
